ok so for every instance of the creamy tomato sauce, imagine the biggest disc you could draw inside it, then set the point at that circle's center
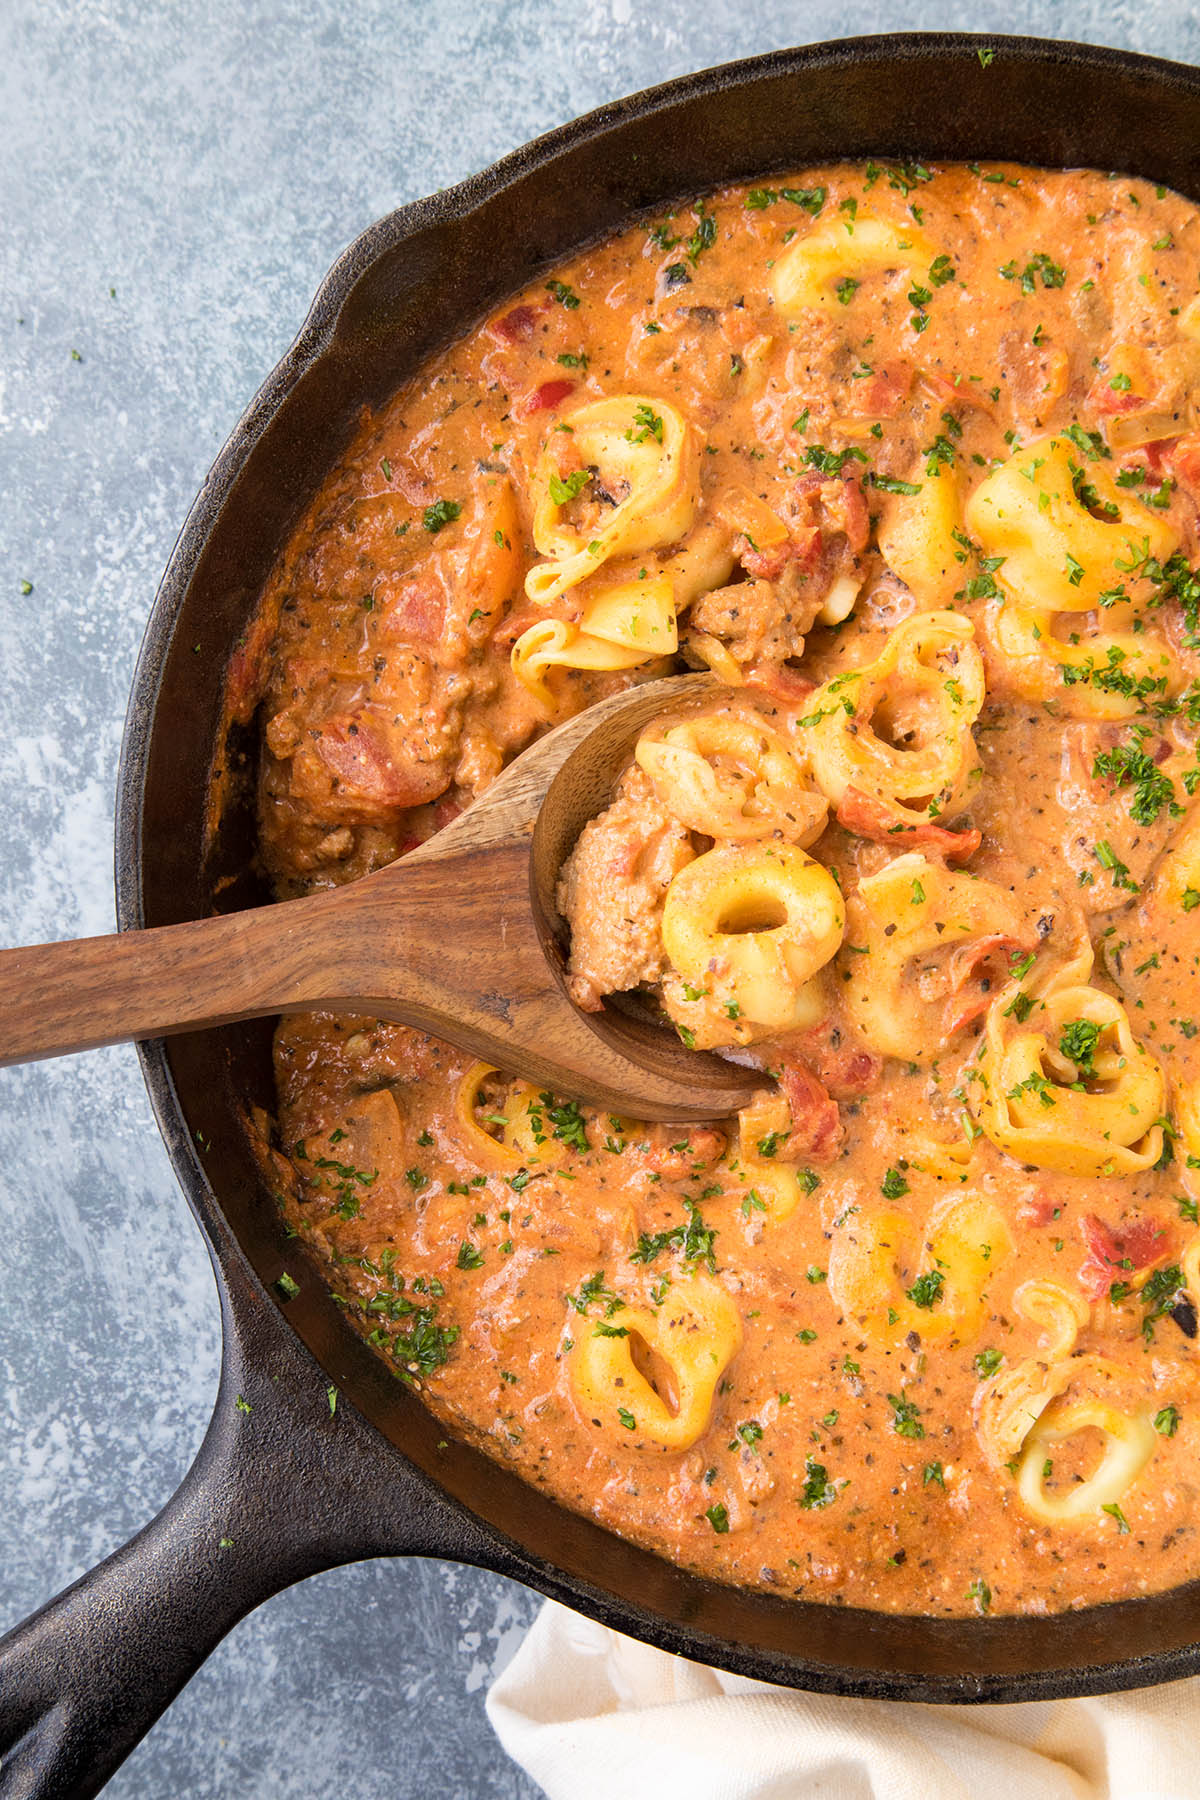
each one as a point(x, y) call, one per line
point(920, 1332)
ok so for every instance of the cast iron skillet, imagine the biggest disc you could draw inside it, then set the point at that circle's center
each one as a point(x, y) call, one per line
point(290, 1488)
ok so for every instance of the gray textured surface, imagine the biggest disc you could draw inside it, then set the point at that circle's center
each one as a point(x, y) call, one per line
point(175, 179)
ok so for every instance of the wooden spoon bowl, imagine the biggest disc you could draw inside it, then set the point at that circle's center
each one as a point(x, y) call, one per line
point(461, 938)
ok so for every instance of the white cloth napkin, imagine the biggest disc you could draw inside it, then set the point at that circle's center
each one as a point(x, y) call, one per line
point(592, 1715)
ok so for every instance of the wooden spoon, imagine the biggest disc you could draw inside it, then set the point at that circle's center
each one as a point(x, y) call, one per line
point(461, 938)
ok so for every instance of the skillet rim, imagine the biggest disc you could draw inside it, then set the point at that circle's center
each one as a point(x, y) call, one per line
point(488, 1546)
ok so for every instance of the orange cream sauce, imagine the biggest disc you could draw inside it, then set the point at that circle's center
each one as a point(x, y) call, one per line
point(859, 1444)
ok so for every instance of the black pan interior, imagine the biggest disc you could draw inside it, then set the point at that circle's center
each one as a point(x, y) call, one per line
point(410, 283)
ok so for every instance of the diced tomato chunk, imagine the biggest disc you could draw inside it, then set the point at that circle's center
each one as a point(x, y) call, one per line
point(782, 683)
point(975, 971)
point(968, 393)
point(837, 503)
point(816, 1123)
point(1183, 458)
point(802, 547)
point(1109, 402)
point(674, 1151)
point(357, 753)
point(247, 668)
point(879, 395)
point(847, 1070)
point(866, 816)
point(1037, 1209)
point(1112, 1255)
point(544, 398)
point(515, 326)
point(414, 613)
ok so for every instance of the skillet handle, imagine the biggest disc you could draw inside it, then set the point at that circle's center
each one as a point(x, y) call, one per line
point(283, 1487)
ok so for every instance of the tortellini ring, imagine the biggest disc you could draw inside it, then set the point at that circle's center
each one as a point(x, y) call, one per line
point(967, 1240)
point(811, 270)
point(1057, 554)
point(658, 1367)
point(494, 1152)
point(1129, 1443)
point(1059, 1314)
point(753, 926)
point(641, 448)
point(913, 919)
point(1037, 516)
point(1034, 1104)
point(731, 779)
point(925, 688)
point(1036, 660)
point(621, 626)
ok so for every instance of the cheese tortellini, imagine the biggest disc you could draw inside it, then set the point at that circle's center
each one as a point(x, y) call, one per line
point(746, 930)
point(920, 932)
point(621, 626)
point(731, 777)
point(633, 485)
point(1064, 1084)
point(839, 255)
point(510, 1112)
point(1033, 1419)
point(966, 1241)
point(1035, 1416)
point(899, 730)
point(650, 1374)
point(917, 535)
point(1129, 1443)
point(1069, 542)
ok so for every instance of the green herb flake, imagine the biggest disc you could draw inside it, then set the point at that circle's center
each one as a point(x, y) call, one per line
point(440, 514)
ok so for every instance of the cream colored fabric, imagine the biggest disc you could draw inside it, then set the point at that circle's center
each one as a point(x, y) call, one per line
point(592, 1715)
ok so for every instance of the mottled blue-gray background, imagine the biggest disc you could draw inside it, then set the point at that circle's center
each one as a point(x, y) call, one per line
point(174, 181)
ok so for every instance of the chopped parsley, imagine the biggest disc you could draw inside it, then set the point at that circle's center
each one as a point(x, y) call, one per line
point(703, 238)
point(1078, 1042)
point(1127, 765)
point(818, 1490)
point(890, 484)
point(1040, 266)
point(1160, 1294)
point(1108, 859)
point(648, 424)
point(440, 514)
point(906, 1420)
point(981, 1594)
point(567, 1121)
point(565, 294)
point(694, 1241)
point(831, 462)
point(926, 1290)
point(593, 1292)
point(565, 489)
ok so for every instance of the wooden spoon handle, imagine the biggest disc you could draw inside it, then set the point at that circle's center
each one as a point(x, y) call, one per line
point(55, 998)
